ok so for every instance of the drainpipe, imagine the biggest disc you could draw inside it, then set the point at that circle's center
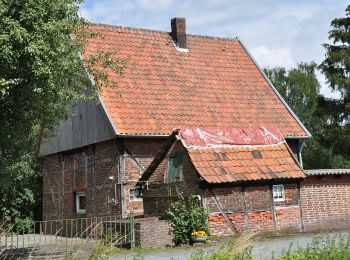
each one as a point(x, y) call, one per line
point(299, 154)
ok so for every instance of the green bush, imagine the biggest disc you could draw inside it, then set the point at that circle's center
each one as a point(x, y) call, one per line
point(186, 217)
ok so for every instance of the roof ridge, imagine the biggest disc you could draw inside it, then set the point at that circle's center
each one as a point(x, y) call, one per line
point(160, 31)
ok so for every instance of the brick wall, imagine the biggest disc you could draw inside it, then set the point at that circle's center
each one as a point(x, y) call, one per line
point(250, 209)
point(325, 202)
point(153, 232)
point(159, 195)
point(88, 170)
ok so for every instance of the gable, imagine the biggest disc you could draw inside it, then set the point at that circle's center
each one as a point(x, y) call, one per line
point(89, 124)
point(214, 84)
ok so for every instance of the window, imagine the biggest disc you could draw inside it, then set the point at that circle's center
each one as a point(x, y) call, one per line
point(278, 192)
point(134, 195)
point(80, 202)
point(174, 169)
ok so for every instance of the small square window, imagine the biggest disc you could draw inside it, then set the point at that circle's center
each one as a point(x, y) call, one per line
point(134, 195)
point(174, 169)
point(278, 192)
point(80, 202)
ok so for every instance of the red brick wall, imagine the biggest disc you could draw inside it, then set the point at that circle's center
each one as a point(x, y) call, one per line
point(326, 202)
point(250, 209)
point(83, 173)
point(159, 195)
point(153, 232)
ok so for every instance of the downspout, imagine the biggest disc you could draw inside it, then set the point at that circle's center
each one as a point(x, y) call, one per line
point(299, 154)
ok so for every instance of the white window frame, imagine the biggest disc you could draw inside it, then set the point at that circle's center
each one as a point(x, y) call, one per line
point(77, 202)
point(279, 194)
point(133, 198)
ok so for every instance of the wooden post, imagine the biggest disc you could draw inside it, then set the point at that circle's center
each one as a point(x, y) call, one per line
point(301, 210)
point(246, 217)
point(273, 210)
point(121, 177)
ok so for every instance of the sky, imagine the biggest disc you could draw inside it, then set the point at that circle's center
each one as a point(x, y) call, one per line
point(276, 32)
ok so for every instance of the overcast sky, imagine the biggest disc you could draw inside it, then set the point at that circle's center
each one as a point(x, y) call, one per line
point(277, 33)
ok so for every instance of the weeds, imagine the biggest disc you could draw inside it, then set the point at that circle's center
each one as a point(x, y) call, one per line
point(330, 247)
point(238, 247)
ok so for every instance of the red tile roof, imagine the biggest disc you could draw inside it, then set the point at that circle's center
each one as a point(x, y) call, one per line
point(237, 163)
point(224, 163)
point(214, 84)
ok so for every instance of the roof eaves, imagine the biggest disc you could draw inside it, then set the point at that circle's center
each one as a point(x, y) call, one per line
point(124, 135)
point(320, 172)
point(116, 131)
point(277, 93)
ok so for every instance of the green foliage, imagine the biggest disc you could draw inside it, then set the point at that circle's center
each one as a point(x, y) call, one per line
point(329, 247)
point(336, 65)
point(330, 146)
point(331, 125)
point(41, 75)
point(299, 87)
point(186, 217)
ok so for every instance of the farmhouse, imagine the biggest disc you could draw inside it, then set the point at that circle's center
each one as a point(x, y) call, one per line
point(94, 160)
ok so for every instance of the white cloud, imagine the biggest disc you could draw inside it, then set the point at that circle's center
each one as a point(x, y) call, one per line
point(277, 57)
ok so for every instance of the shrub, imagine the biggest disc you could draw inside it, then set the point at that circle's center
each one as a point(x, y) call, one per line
point(187, 217)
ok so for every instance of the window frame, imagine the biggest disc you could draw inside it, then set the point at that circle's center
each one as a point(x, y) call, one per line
point(282, 192)
point(135, 198)
point(78, 209)
point(180, 156)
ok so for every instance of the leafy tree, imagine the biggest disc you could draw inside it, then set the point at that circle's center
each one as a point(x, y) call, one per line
point(41, 75)
point(335, 132)
point(336, 66)
point(299, 87)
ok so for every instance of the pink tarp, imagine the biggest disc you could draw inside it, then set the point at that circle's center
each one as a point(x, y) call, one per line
point(263, 135)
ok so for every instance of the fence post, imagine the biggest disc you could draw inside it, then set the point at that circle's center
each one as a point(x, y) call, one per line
point(132, 229)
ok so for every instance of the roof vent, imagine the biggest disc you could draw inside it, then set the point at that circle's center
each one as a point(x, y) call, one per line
point(178, 32)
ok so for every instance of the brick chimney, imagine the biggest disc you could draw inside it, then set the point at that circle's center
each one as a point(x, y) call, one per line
point(178, 32)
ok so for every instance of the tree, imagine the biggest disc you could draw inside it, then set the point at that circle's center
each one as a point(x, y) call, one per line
point(335, 134)
point(299, 87)
point(336, 66)
point(41, 75)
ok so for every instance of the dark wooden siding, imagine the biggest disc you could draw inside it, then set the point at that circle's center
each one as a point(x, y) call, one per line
point(89, 124)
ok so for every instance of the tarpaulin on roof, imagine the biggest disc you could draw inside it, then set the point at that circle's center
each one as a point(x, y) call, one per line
point(264, 135)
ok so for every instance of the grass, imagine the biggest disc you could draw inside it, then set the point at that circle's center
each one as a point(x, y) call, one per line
point(330, 247)
point(238, 247)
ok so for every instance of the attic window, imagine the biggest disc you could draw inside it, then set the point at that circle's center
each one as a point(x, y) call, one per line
point(175, 169)
point(257, 154)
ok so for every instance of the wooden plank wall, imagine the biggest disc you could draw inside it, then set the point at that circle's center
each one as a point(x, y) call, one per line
point(89, 124)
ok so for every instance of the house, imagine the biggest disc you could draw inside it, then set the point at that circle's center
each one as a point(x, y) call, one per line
point(93, 160)
point(247, 178)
